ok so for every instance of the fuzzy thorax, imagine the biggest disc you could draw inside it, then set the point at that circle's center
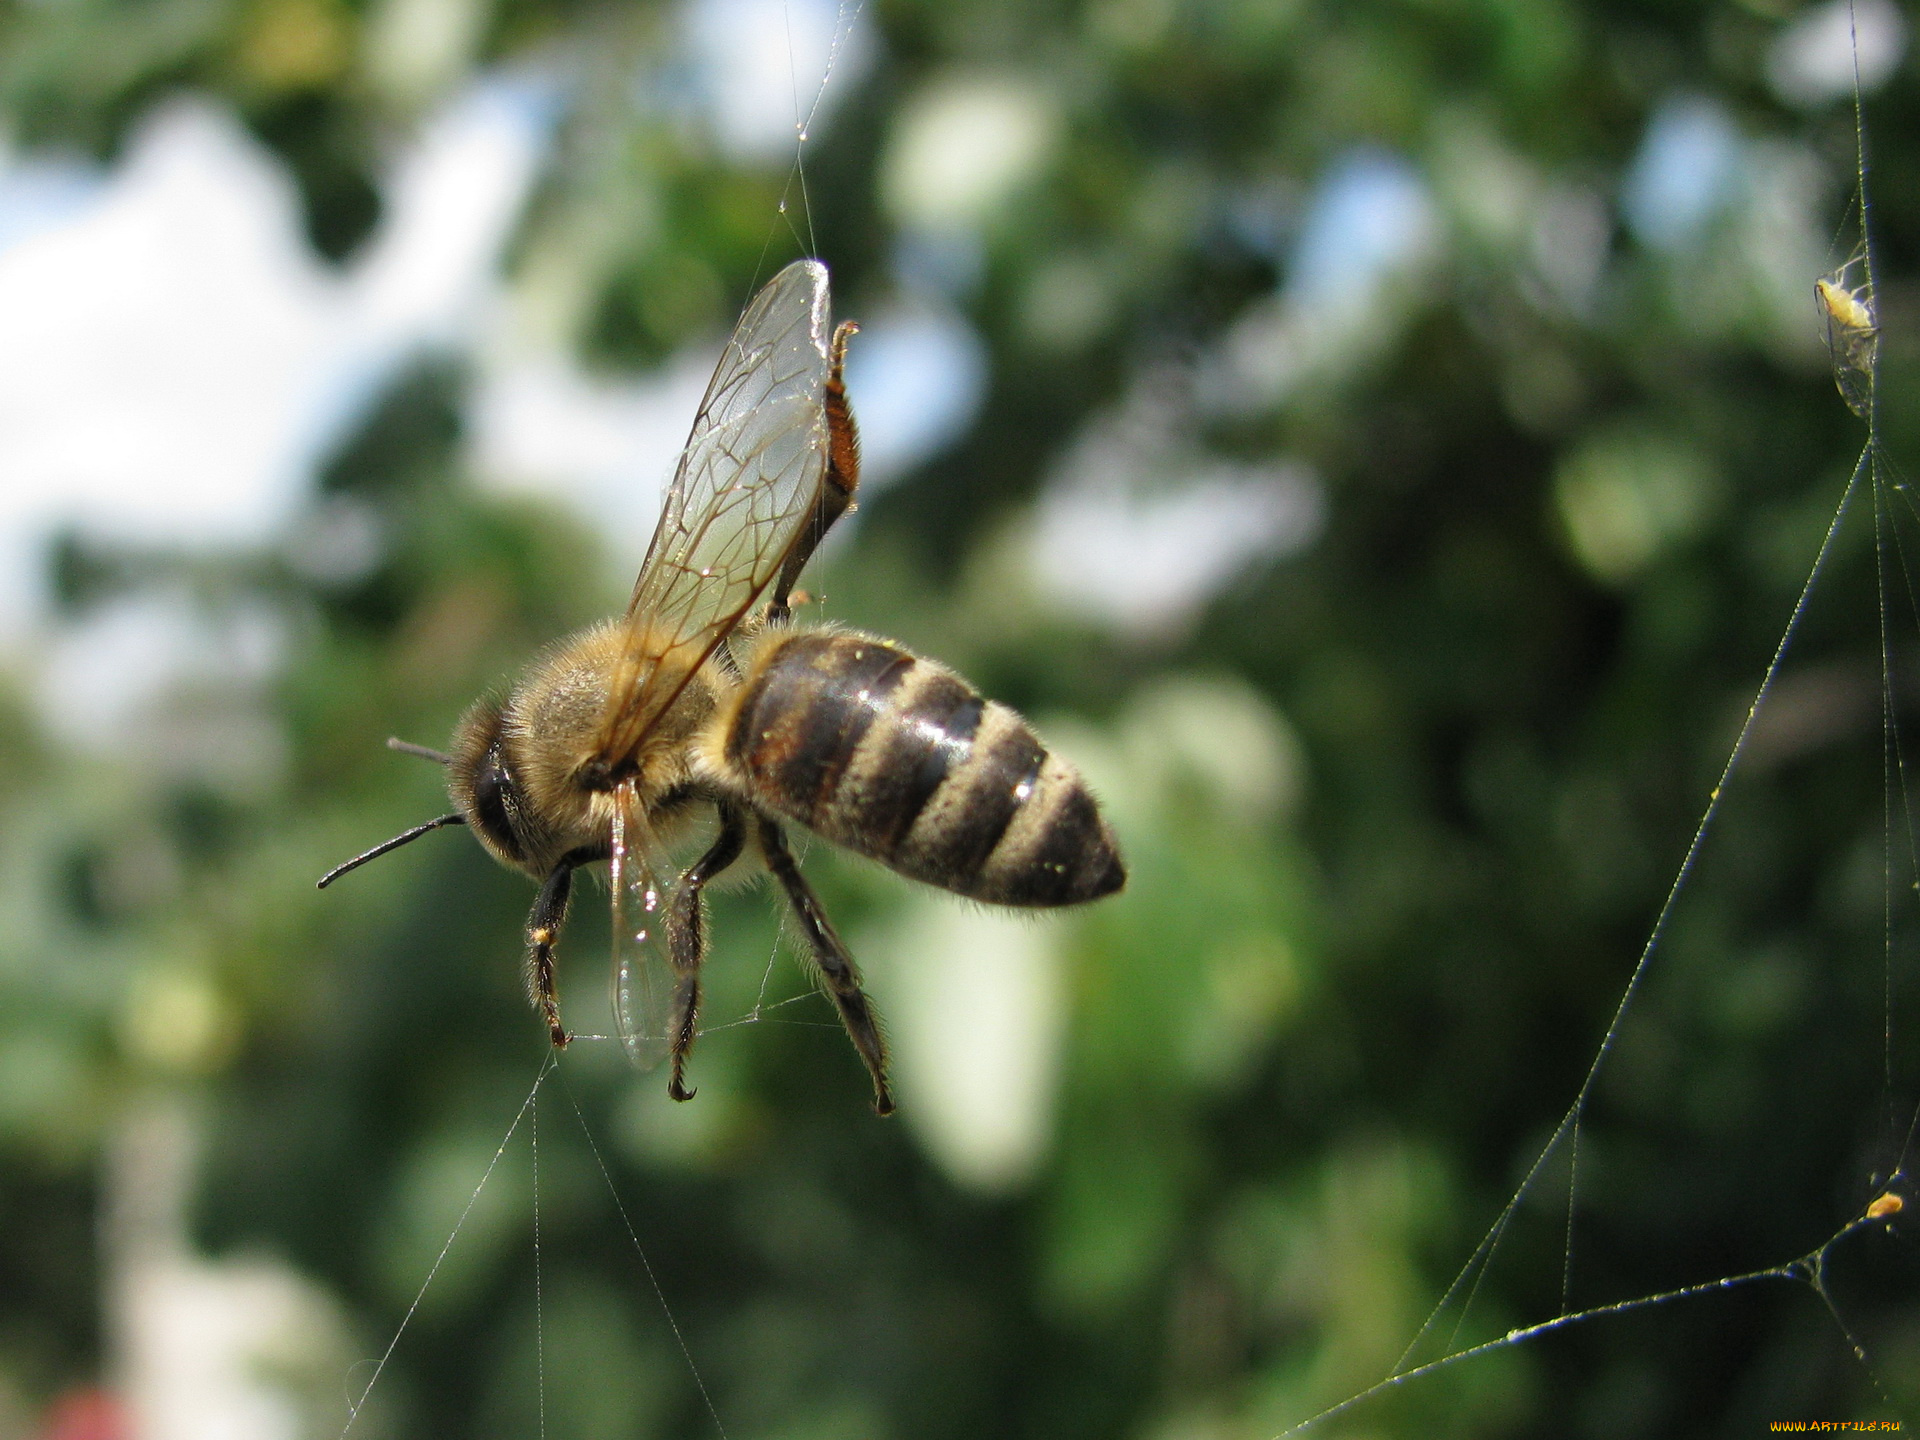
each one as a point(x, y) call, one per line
point(520, 767)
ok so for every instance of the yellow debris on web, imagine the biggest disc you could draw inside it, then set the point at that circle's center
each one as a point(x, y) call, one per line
point(1853, 334)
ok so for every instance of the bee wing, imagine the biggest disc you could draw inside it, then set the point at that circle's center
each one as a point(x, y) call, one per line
point(748, 483)
point(643, 980)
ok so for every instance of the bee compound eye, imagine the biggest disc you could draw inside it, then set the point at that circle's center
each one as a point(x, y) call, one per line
point(495, 799)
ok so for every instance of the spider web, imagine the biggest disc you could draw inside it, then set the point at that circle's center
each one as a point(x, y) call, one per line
point(1443, 1342)
point(806, 241)
point(762, 1010)
point(1438, 1344)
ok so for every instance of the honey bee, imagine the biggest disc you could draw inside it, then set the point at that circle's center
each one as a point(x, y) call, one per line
point(706, 698)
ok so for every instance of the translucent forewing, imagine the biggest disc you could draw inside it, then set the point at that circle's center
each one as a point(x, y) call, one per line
point(1853, 337)
point(642, 973)
point(747, 485)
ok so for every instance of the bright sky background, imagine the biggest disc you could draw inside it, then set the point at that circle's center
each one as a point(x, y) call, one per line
point(177, 360)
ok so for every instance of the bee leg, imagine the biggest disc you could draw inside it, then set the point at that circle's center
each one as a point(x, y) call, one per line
point(543, 933)
point(838, 486)
point(687, 940)
point(836, 966)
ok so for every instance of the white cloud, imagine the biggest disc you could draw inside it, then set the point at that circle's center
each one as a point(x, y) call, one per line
point(451, 201)
point(539, 425)
point(1812, 61)
point(764, 69)
point(177, 359)
point(161, 345)
point(175, 364)
point(1138, 528)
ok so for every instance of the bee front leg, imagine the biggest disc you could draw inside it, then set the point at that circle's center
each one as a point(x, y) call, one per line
point(687, 940)
point(543, 933)
point(835, 965)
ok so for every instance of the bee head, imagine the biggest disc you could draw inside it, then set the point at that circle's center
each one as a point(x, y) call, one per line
point(483, 787)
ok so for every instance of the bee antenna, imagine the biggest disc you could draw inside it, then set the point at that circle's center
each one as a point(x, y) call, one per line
point(407, 747)
point(405, 837)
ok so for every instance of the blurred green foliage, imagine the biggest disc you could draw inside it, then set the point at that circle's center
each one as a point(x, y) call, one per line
point(1310, 1053)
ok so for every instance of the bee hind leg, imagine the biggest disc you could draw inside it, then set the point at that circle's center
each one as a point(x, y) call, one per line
point(835, 965)
point(543, 934)
point(687, 941)
point(837, 485)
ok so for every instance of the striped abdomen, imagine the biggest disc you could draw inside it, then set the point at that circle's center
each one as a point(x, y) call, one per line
point(899, 759)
